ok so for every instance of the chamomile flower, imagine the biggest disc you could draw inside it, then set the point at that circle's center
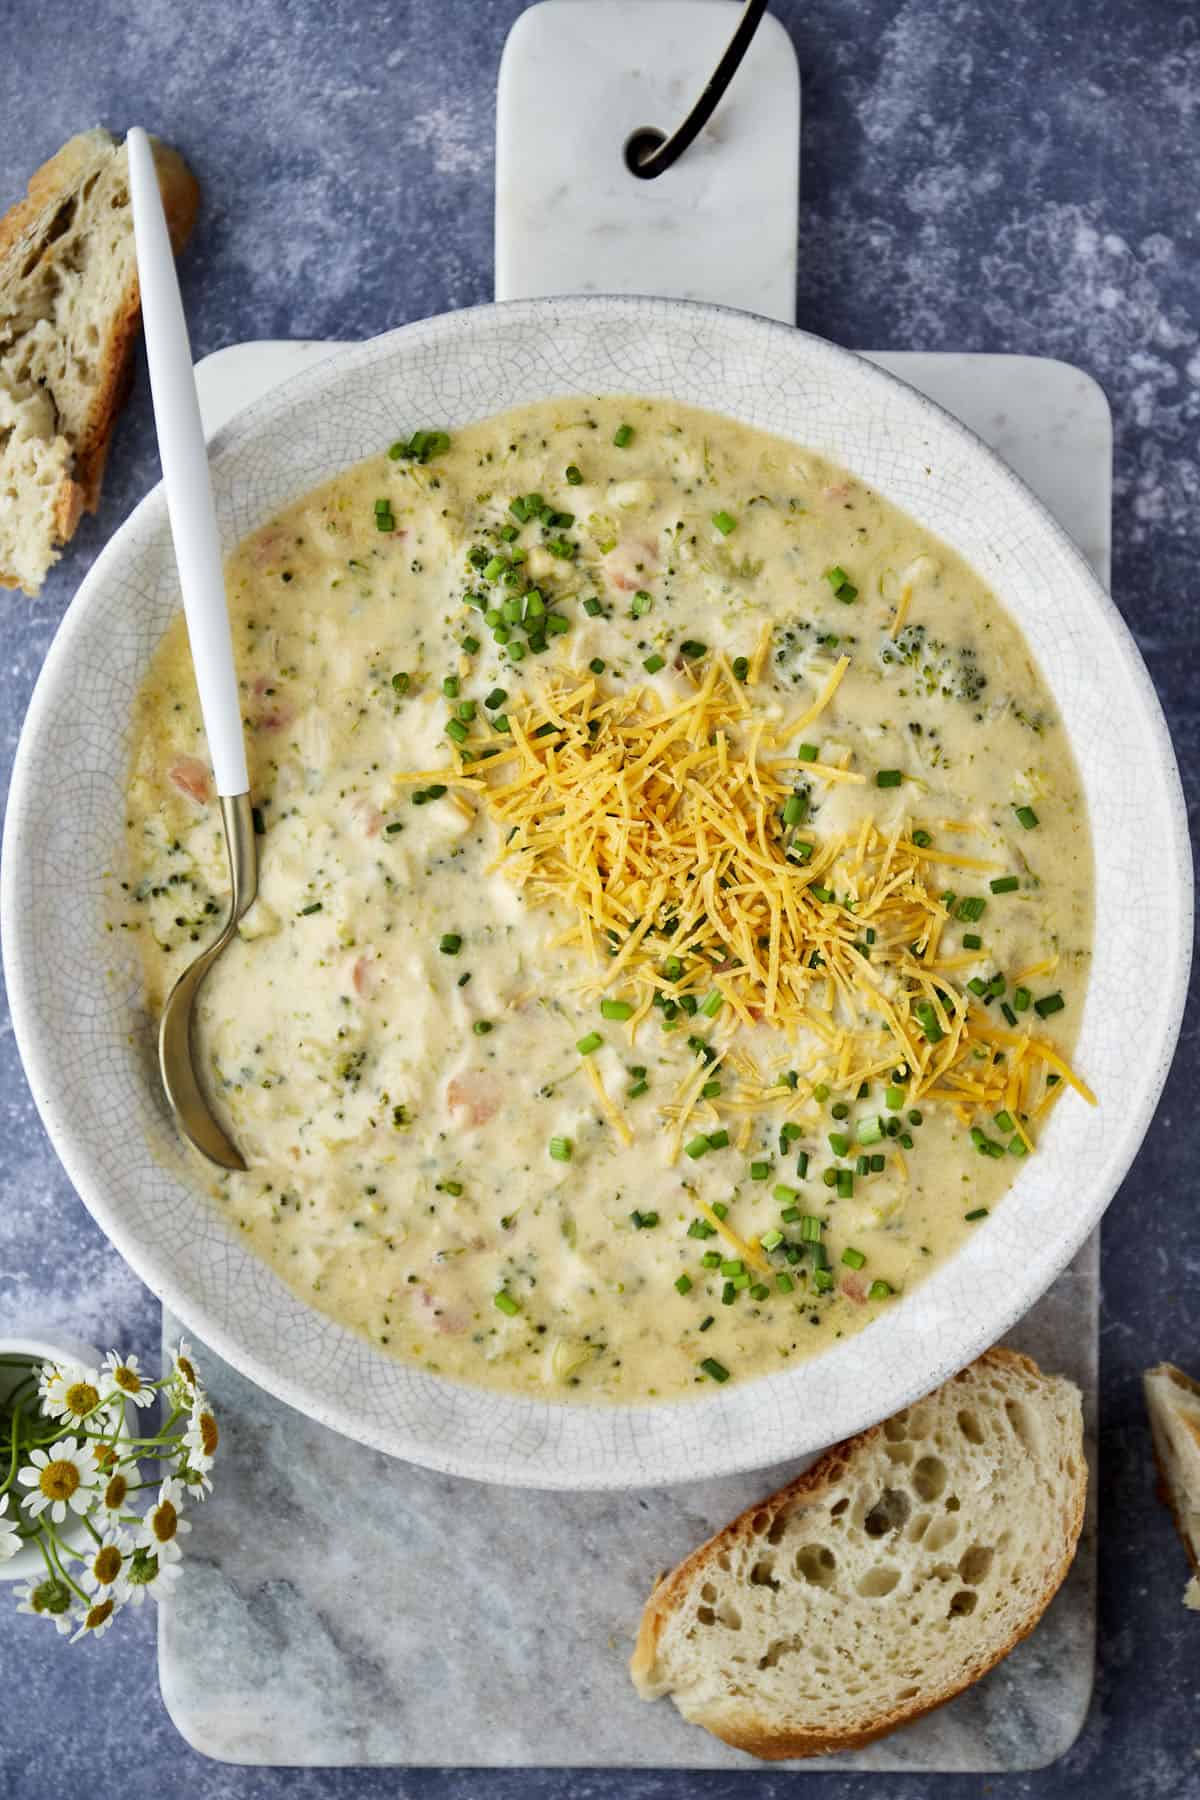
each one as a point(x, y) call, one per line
point(164, 1524)
point(48, 1598)
point(105, 1571)
point(122, 1372)
point(150, 1573)
point(184, 1381)
point(94, 1619)
point(114, 1492)
point(74, 1396)
point(198, 1482)
point(63, 1479)
point(52, 1379)
point(10, 1543)
point(202, 1436)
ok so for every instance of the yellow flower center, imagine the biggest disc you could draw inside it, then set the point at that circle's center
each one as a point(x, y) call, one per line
point(115, 1492)
point(187, 1369)
point(59, 1480)
point(104, 1454)
point(209, 1435)
point(163, 1521)
point(107, 1564)
point(98, 1614)
point(128, 1379)
point(81, 1397)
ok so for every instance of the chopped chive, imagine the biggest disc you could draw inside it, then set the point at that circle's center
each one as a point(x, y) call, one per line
point(771, 1240)
point(731, 1266)
point(862, 1165)
point(724, 522)
point(784, 1283)
point(653, 664)
point(400, 681)
point(728, 1294)
point(505, 1303)
point(597, 665)
point(638, 1089)
point(644, 1221)
point(592, 608)
point(466, 710)
point(971, 909)
point(741, 668)
point(616, 1009)
point(922, 839)
point(853, 1259)
point(711, 1259)
point(840, 1109)
point(1027, 816)
point(1021, 999)
point(1017, 1146)
point(683, 1284)
point(889, 778)
point(622, 436)
point(496, 698)
point(1010, 1017)
point(260, 824)
point(802, 1164)
point(482, 1027)
point(794, 809)
point(877, 1163)
point(822, 1280)
point(869, 1131)
point(916, 1117)
point(790, 1214)
point(713, 1004)
point(1005, 884)
point(493, 570)
point(710, 1090)
point(715, 1370)
point(980, 1212)
point(893, 1098)
point(457, 730)
point(845, 1184)
point(760, 1171)
point(760, 1291)
point(700, 1228)
point(972, 940)
point(450, 943)
point(697, 1147)
point(718, 1140)
point(880, 1290)
point(1003, 1121)
point(784, 1195)
point(516, 652)
point(692, 648)
point(560, 1149)
point(316, 907)
point(574, 475)
point(705, 1323)
point(810, 1228)
point(720, 1208)
point(641, 603)
point(839, 1143)
point(585, 1045)
point(471, 645)
point(1048, 1004)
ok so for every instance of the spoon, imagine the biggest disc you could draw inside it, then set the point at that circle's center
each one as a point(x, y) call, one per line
point(184, 457)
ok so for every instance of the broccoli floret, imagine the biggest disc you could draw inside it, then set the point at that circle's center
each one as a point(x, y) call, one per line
point(936, 668)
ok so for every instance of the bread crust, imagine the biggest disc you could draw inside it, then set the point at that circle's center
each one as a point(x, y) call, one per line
point(758, 1736)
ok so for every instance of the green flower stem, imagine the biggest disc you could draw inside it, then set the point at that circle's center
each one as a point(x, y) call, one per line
point(52, 1550)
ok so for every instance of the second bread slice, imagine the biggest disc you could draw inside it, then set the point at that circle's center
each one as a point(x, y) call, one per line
point(898, 1569)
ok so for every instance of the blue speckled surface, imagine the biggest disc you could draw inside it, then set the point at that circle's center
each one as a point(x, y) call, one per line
point(1020, 178)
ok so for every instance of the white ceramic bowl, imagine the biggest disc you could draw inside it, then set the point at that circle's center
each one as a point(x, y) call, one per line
point(75, 989)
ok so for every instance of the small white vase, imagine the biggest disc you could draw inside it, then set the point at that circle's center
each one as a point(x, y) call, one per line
point(29, 1564)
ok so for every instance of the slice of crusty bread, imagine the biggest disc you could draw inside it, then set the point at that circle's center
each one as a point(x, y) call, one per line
point(898, 1569)
point(69, 314)
point(1173, 1402)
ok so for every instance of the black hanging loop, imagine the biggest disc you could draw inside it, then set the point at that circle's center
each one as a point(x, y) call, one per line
point(650, 152)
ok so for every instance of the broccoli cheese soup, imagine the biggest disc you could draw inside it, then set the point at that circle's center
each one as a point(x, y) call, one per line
point(675, 900)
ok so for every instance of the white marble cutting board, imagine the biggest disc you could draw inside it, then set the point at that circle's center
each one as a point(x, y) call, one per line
point(339, 1608)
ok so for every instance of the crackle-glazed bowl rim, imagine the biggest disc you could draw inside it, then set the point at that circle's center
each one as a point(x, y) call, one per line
point(74, 1023)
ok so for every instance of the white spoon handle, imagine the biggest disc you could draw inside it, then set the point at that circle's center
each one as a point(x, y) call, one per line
point(184, 459)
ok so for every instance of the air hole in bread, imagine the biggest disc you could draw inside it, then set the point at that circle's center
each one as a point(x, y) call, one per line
point(120, 198)
point(920, 1422)
point(929, 1478)
point(705, 1615)
point(816, 1563)
point(729, 1616)
point(877, 1582)
point(723, 1562)
point(763, 1573)
point(896, 1430)
point(1022, 1424)
point(941, 1533)
point(708, 1593)
point(778, 1527)
point(759, 1523)
point(953, 1503)
point(962, 1604)
point(888, 1514)
point(975, 1564)
point(900, 1453)
point(838, 1508)
point(908, 1693)
point(917, 1528)
point(771, 1655)
point(970, 1427)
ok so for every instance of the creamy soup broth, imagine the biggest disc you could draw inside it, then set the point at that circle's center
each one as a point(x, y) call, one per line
point(400, 1040)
